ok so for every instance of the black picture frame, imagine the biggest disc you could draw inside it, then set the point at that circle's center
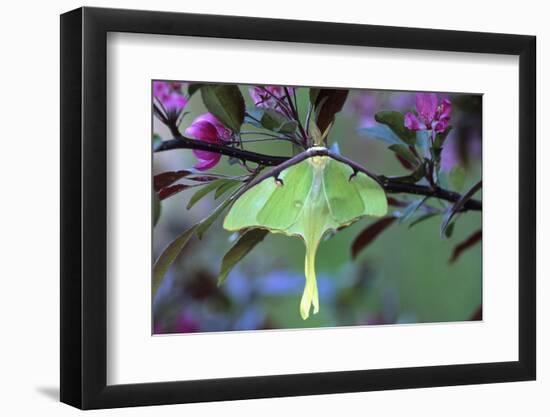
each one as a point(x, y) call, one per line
point(84, 207)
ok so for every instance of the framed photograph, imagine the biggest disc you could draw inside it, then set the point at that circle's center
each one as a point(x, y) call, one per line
point(258, 208)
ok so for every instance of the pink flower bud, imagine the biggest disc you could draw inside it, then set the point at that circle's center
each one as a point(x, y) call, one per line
point(207, 128)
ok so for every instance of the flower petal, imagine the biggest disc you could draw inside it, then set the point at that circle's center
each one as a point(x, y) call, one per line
point(426, 106)
point(264, 96)
point(174, 101)
point(202, 130)
point(204, 154)
point(412, 122)
point(445, 109)
point(224, 133)
point(210, 161)
point(261, 98)
point(440, 125)
point(160, 89)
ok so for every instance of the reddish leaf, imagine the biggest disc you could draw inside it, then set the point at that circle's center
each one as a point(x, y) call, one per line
point(465, 244)
point(331, 101)
point(370, 233)
point(171, 190)
point(477, 315)
point(396, 203)
point(202, 178)
point(165, 179)
point(406, 164)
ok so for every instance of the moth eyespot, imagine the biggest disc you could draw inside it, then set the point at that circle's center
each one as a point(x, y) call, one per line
point(279, 182)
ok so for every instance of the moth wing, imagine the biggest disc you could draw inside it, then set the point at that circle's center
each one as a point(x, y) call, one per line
point(344, 201)
point(374, 197)
point(287, 200)
point(244, 211)
point(272, 205)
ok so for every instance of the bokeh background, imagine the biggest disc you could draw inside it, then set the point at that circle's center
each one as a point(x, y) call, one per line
point(403, 277)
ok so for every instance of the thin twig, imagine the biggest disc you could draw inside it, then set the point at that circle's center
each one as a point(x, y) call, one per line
point(295, 115)
point(181, 142)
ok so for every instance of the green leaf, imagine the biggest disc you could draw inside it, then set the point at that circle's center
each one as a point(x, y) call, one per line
point(226, 103)
point(289, 126)
point(253, 116)
point(270, 119)
point(413, 177)
point(409, 211)
point(273, 120)
point(156, 208)
point(380, 132)
point(457, 206)
point(423, 141)
point(437, 147)
point(405, 153)
point(440, 138)
point(205, 224)
point(457, 177)
point(396, 122)
point(239, 250)
point(205, 190)
point(170, 253)
point(449, 230)
point(157, 141)
point(222, 189)
point(436, 154)
point(168, 256)
point(313, 94)
point(193, 88)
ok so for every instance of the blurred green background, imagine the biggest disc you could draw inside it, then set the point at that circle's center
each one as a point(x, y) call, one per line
point(404, 276)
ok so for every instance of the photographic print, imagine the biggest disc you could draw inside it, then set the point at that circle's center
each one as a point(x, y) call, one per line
point(287, 207)
point(333, 203)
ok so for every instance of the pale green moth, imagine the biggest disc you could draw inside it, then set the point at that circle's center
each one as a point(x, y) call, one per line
point(307, 199)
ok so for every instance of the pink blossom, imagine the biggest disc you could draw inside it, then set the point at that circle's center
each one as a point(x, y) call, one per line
point(431, 115)
point(411, 122)
point(266, 96)
point(170, 95)
point(208, 128)
point(224, 133)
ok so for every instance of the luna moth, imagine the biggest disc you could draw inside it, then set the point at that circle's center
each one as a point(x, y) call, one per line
point(308, 196)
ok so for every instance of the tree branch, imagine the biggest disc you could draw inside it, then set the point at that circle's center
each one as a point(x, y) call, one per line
point(181, 142)
point(389, 185)
point(392, 186)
